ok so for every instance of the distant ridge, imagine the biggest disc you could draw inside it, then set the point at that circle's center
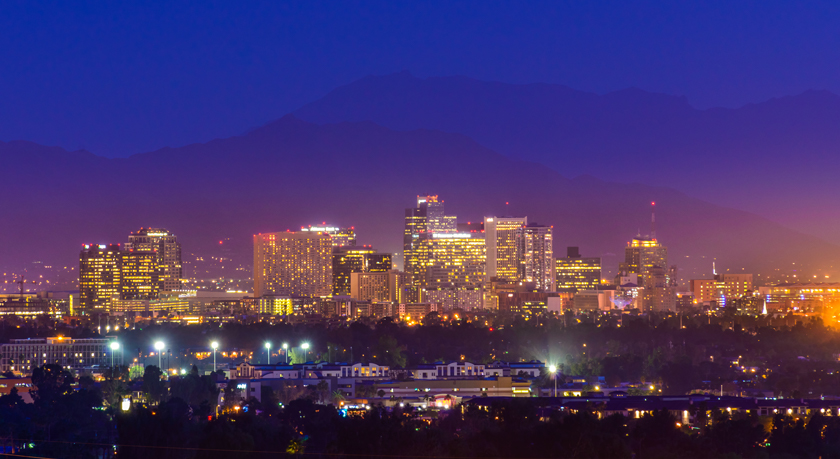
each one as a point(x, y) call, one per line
point(776, 158)
point(290, 173)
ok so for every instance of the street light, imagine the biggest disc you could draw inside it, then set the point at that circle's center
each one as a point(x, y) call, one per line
point(553, 370)
point(286, 352)
point(214, 345)
point(268, 352)
point(159, 347)
point(114, 346)
point(305, 347)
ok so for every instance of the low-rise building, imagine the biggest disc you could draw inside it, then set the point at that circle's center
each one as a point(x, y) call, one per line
point(23, 355)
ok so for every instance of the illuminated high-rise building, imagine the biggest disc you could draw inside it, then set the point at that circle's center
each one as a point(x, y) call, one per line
point(293, 263)
point(576, 272)
point(420, 222)
point(641, 255)
point(348, 260)
point(536, 254)
point(455, 260)
point(647, 258)
point(99, 276)
point(503, 238)
point(168, 250)
point(341, 237)
point(139, 275)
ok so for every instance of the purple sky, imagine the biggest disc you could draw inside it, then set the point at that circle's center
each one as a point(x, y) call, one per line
point(118, 79)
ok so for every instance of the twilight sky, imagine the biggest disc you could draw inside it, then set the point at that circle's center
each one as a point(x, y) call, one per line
point(118, 79)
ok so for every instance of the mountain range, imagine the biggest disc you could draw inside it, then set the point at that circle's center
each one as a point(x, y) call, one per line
point(776, 158)
point(291, 173)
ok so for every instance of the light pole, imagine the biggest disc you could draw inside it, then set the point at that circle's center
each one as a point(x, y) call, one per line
point(159, 347)
point(286, 352)
point(553, 370)
point(114, 346)
point(305, 347)
point(268, 352)
point(214, 345)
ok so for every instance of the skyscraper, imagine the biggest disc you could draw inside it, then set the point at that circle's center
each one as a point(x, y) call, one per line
point(641, 255)
point(536, 255)
point(647, 258)
point(455, 260)
point(139, 275)
point(348, 260)
point(503, 239)
point(168, 250)
point(576, 272)
point(99, 276)
point(293, 263)
point(420, 222)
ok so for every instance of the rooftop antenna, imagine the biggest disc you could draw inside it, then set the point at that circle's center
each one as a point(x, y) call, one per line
point(714, 271)
point(653, 220)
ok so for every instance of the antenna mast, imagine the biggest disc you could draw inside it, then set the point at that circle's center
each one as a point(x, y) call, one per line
point(653, 220)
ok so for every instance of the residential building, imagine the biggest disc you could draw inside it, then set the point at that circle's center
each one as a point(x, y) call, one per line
point(537, 256)
point(455, 260)
point(293, 263)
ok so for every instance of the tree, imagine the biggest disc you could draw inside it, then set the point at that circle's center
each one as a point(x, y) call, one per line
point(153, 384)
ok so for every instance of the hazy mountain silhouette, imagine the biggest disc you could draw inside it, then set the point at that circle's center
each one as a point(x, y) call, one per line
point(776, 158)
point(291, 173)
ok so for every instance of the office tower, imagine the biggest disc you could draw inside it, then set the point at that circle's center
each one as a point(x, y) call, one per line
point(536, 254)
point(455, 260)
point(420, 222)
point(139, 275)
point(641, 255)
point(576, 272)
point(503, 238)
point(168, 251)
point(293, 263)
point(348, 260)
point(341, 237)
point(99, 276)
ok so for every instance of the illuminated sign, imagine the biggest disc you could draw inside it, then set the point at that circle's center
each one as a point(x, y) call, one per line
point(451, 235)
point(242, 386)
point(328, 229)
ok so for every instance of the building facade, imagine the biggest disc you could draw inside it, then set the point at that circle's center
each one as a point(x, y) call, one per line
point(348, 260)
point(99, 276)
point(576, 272)
point(24, 355)
point(293, 264)
point(139, 275)
point(537, 256)
point(168, 249)
point(341, 237)
point(455, 260)
point(503, 239)
point(420, 222)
